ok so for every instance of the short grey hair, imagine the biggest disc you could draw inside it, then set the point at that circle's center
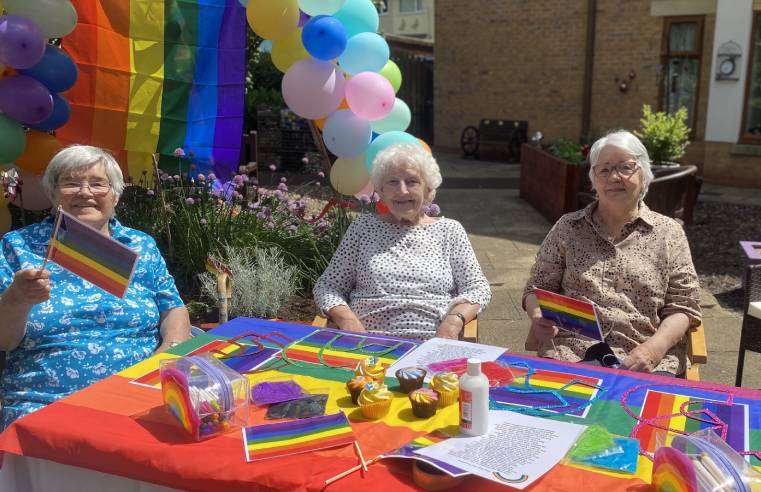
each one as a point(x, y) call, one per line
point(629, 143)
point(406, 155)
point(75, 157)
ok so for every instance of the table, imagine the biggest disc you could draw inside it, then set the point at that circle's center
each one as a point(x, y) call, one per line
point(120, 428)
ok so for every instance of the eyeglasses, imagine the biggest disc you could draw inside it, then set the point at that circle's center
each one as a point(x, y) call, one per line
point(97, 188)
point(624, 169)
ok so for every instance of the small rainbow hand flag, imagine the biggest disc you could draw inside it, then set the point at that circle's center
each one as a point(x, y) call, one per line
point(570, 314)
point(86, 252)
point(298, 436)
point(217, 267)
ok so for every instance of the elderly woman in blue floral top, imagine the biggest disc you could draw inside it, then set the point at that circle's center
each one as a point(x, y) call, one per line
point(61, 332)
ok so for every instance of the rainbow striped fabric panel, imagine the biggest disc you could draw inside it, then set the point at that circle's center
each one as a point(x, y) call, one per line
point(544, 388)
point(570, 314)
point(156, 75)
point(342, 349)
point(89, 254)
point(691, 414)
point(298, 436)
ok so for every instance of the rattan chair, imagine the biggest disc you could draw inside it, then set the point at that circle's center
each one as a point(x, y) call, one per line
point(750, 337)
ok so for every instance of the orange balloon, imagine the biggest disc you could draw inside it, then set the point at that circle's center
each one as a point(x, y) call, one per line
point(381, 208)
point(40, 148)
point(425, 145)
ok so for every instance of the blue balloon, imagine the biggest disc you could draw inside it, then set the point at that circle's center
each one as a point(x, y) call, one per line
point(324, 37)
point(365, 52)
point(358, 16)
point(55, 70)
point(58, 118)
point(386, 140)
point(345, 134)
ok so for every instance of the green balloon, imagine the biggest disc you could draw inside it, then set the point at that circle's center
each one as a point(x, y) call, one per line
point(12, 140)
point(392, 74)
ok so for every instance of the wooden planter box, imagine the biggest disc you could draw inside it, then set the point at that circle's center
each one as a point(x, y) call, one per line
point(549, 183)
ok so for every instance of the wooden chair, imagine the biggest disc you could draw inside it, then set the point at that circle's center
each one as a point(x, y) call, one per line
point(468, 334)
point(750, 337)
point(696, 350)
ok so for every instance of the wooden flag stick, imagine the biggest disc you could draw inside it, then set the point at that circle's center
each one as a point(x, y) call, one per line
point(350, 471)
point(359, 453)
point(58, 218)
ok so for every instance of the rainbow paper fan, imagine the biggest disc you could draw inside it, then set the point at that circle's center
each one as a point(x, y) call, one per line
point(673, 471)
point(174, 387)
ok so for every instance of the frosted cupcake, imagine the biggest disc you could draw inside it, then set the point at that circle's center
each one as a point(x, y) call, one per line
point(447, 386)
point(410, 378)
point(424, 402)
point(372, 368)
point(375, 400)
point(356, 385)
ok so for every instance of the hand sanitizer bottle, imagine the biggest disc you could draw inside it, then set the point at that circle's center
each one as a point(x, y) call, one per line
point(474, 400)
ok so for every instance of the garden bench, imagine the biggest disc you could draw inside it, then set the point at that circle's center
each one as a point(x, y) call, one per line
point(503, 135)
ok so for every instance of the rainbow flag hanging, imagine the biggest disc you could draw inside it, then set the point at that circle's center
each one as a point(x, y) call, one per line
point(156, 75)
point(298, 436)
point(570, 314)
point(86, 252)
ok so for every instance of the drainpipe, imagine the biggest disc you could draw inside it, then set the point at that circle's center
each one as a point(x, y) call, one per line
point(589, 62)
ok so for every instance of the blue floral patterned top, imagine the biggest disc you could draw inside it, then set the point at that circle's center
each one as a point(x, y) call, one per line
point(82, 333)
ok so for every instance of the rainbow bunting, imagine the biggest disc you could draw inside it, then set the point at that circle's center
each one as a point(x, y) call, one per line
point(157, 75)
point(86, 252)
point(298, 436)
point(570, 314)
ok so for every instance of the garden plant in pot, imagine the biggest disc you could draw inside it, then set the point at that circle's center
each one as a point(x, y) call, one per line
point(664, 135)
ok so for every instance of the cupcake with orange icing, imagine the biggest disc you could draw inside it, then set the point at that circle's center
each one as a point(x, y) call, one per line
point(375, 400)
point(355, 386)
point(372, 368)
point(410, 378)
point(424, 402)
point(447, 386)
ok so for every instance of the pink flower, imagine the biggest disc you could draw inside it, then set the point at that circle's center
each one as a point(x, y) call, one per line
point(212, 176)
point(189, 201)
point(282, 187)
point(273, 167)
point(305, 160)
point(203, 221)
point(283, 179)
point(178, 152)
point(151, 192)
point(201, 177)
point(321, 174)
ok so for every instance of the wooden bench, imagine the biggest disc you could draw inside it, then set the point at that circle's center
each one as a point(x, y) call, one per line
point(505, 136)
point(468, 334)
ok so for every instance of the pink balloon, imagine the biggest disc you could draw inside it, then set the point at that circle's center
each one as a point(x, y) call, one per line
point(313, 89)
point(34, 197)
point(368, 190)
point(370, 96)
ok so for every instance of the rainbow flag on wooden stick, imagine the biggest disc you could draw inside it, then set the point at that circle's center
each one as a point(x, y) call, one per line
point(298, 436)
point(570, 314)
point(86, 252)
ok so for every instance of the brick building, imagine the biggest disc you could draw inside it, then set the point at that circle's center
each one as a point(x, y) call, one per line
point(576, 68)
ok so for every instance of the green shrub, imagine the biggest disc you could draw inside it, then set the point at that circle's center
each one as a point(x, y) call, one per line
point(664, 135)
point(567, 149)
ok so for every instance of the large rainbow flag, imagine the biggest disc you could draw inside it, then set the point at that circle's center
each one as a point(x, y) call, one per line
point(156, 75)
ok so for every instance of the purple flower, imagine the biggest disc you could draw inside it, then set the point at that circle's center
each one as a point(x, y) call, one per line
point(189, 201)
point(237, 196)
point(292, 229)
point(151, 192)
point(364, 199)
point(322, 225)
point(264, 213)
point(178, 152)
point(203, 221)
point(434, 210)
point(305, 160)
point(238, 179)
point(244, 177)
point(283, 179)
point(279, 194)
point(212, 176)
point(176, 177)
point(270, 225)
point(273, 168)
point(282, 187)
point(201, 177)
point(253, 205)
point(321, 175)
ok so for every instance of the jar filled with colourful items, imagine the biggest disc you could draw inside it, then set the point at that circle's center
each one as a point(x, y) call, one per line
point(206, 397)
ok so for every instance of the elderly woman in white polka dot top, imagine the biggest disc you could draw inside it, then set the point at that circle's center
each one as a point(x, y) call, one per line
point(404, 273)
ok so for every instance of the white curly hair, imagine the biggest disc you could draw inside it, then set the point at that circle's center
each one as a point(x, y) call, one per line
point(407, 156)
point(80, 157)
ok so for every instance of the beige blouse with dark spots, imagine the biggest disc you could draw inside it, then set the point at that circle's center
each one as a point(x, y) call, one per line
point(636, 283)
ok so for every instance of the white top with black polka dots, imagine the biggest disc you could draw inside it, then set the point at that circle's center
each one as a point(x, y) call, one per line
point(402, 280)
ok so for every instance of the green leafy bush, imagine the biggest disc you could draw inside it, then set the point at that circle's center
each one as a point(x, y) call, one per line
point(567, 149)
point(664, 135)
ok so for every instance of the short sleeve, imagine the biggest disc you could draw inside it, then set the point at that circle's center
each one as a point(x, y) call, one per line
point(470, 283)
point(336, 283)
point(683, 290)
point(549, 266)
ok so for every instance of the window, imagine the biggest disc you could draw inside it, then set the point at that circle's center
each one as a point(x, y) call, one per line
point(410, 5)
point(751, 122)
point(682, 42)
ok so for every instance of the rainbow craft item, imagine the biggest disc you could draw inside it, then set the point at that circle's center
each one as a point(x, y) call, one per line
point(174, 389)
point(156, 76)
point(408, 452)
point(217, 267)
point(570, 314)
point(86, 252)
point(298, 436)
point(673, 471)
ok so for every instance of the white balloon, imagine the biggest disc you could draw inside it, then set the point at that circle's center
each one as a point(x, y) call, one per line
point(55, 18)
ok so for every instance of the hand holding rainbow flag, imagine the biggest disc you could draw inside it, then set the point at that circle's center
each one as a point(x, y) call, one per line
point(570, 314)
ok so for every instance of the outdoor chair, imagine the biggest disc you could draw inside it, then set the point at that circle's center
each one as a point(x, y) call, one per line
point(468, 334)
point(750, 337)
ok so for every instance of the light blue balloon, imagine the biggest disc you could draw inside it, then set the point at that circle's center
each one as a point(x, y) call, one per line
point(386, 140)
point(358, 16)
point(346, 134)
point(265, 46)
point(397, 120)
point(244, 3)
point(320, 7)
point(365, 52)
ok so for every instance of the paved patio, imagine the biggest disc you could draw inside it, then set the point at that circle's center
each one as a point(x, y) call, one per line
point(506, 233)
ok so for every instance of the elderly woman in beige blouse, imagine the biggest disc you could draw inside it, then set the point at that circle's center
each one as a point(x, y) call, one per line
point(633, 263)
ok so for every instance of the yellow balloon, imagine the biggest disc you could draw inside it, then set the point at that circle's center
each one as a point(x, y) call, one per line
point(273, 19)
point(5, 215)
point(349, 175)
point(289, 50)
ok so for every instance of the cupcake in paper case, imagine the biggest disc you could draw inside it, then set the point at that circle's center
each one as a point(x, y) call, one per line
point(375, 400)
point(424, 402)
point(447, 386)
point(410, 378)
point(371, 367)
point(355, 386)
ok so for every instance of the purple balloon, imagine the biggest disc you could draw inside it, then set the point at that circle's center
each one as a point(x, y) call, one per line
point(22, 44)
point(303, 18)
point(25, 99)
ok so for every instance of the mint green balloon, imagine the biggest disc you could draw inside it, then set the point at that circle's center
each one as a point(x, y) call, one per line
point(320, 7)
point(392, 73)
point(358, 16)
point(55, 18)
point(397, 120)
point(12, 140)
